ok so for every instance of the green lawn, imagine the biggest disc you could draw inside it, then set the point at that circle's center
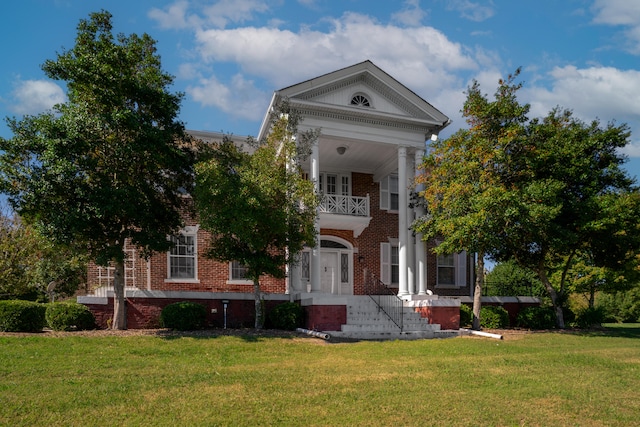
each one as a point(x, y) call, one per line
point(553, 379)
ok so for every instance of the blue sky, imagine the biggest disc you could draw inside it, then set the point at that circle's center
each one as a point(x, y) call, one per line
point(228, 56)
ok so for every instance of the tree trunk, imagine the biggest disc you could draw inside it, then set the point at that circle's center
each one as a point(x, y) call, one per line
point(557, 307)
point(592, 296)
point(477, 293)
point(258, 302)
point(119, 308)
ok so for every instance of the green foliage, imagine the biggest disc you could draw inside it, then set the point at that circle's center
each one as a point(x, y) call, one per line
point(536, 318)
point(287, 316)
point(108, 164)
point(21, 316)
point(589, 317)
point(183, 316)
point(509, 279)
point(259, 209)
point(494, 317)
point(69, 316)
point(466, 315)
point(113, 162)
point(30, 263)
point(548, 193)
point(621, 307)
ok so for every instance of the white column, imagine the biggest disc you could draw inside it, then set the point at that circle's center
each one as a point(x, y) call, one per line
point(411, 272)
point(402, 221)
point(421, 252)
point(315, 252)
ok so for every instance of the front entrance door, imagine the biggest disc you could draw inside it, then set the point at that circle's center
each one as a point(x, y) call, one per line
point(329, 279)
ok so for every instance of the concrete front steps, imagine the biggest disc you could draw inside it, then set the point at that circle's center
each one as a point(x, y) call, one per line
point(366, 322)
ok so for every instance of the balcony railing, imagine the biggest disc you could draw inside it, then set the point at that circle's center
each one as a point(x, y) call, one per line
point(345, 205)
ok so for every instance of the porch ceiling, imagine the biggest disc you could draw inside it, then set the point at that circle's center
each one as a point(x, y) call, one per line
point(359, 156)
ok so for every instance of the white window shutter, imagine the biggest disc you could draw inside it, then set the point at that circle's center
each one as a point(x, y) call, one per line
point(461, 268)
point(385, 262)
point(384, 194)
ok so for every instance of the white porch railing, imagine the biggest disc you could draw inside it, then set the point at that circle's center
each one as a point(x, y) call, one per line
point(345, 205)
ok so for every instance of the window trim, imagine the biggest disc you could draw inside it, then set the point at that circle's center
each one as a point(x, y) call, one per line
point(191, 231)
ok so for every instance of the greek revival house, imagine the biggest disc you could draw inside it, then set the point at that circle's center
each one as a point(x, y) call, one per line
point(374, 134)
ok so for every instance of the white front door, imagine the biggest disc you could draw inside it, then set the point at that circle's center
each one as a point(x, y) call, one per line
point(329, 279)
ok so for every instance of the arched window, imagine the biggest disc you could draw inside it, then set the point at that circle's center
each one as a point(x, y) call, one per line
point(360, 100)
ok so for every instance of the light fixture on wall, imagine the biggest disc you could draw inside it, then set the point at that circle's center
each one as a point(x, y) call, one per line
point(341, 150)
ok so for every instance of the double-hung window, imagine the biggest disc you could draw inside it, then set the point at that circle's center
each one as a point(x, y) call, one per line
point(182, 258)
point(452, 270)
point(238, 271)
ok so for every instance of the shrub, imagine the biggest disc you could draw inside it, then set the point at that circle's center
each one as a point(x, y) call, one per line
point(622, 306)
point(287, 316)
point(466, 315)
point(536, 318)
point(21, 316)
point(494, 317)
point(183, 316)
point(69, 316)
point(589, 317)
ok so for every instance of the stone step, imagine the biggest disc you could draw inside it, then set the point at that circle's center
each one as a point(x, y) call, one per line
point(388, 328)
point(384, 336)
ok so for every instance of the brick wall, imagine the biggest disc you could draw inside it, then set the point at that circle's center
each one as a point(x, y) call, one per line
point(214, 276)
point(144, 313)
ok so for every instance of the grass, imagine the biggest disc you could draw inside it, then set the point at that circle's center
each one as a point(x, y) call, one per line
point(554, 379)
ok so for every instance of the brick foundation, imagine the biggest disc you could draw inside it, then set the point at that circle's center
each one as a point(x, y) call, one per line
point(325, 317)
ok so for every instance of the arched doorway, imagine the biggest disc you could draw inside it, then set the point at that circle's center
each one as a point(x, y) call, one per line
point(336, 266)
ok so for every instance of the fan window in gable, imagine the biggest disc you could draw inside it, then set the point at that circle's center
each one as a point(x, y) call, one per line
point(360, 101)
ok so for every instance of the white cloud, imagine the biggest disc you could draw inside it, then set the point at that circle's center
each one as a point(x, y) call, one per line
point(422, 58)
point(36, 96)
point(222, 12)
point(175, 16)
point(472, 11)
point(621, 13)
point(411, 14)
point(632, 150)
point(240, 98)
point(596, 92)
point(616, 12)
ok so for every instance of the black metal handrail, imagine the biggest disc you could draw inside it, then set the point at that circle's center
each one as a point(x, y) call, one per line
point(386, 299)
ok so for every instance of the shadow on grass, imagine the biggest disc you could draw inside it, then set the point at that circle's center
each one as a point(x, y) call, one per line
point(247, 335)
point(616, 330)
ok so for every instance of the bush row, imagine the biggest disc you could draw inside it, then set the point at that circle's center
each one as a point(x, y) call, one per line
point(494, 317)
point(187, 316)
point(28, 316)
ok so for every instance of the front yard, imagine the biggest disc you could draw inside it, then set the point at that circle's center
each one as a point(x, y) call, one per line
point(160, 378)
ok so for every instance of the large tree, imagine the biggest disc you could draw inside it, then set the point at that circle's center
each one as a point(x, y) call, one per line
point(258, 207)
point(573, 202)
point(464, 196)
point(542, 192)
point(110, 165)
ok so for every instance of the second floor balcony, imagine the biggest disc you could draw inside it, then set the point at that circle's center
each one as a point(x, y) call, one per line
point(345, 205)
point(345, 213)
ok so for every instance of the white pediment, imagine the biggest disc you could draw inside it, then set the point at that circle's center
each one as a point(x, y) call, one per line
point(343, 96)
point(388, 98)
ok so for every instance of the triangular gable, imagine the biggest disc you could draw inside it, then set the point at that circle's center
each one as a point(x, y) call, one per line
point(387, 98)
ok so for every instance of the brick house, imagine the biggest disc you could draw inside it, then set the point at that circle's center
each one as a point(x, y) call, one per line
point(374, 133)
